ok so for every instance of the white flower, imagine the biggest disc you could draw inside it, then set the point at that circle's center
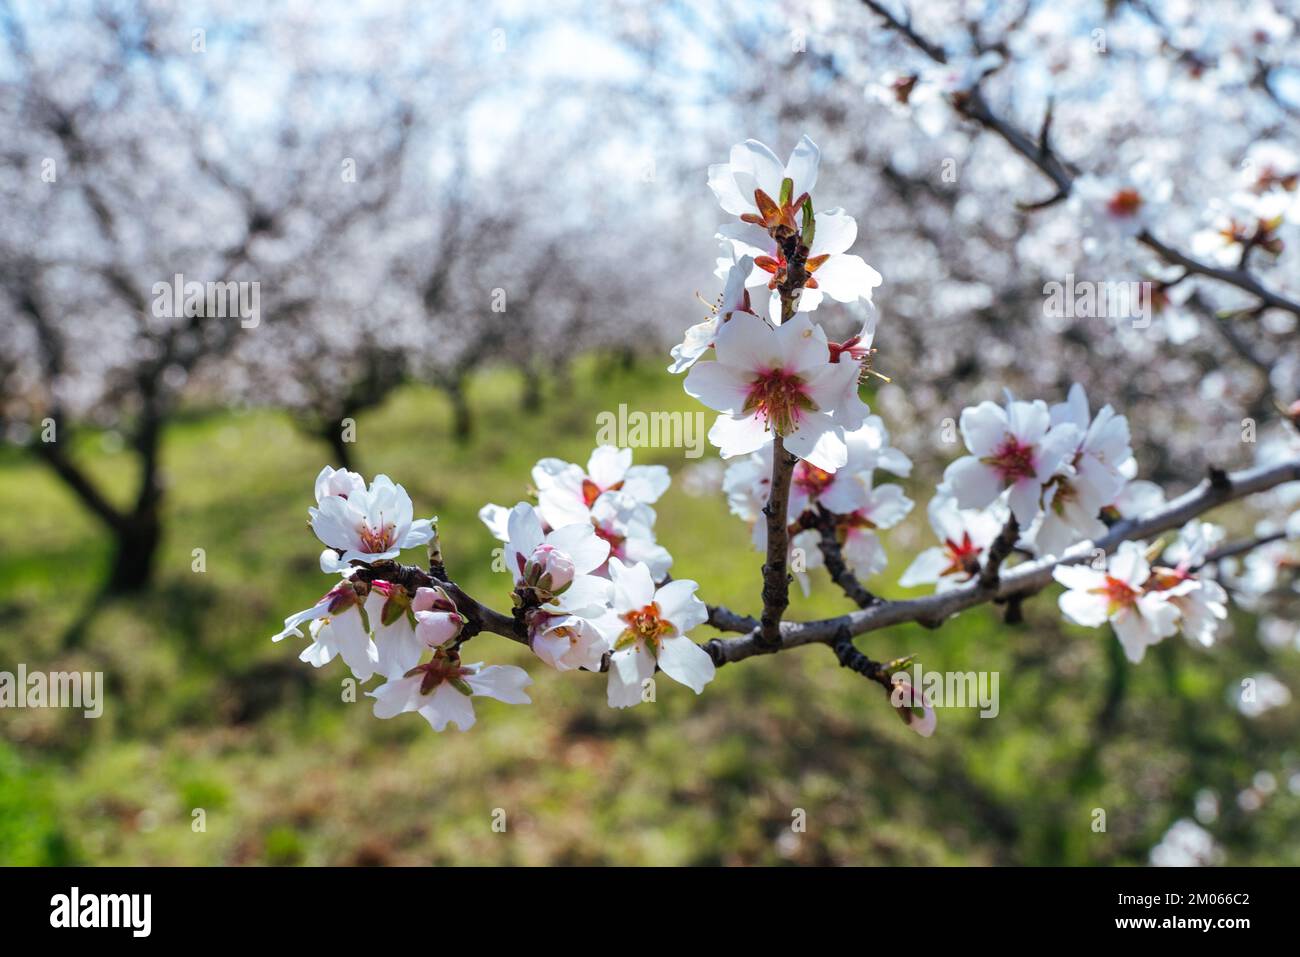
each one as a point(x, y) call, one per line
point(1120, 208)
point(1011, 449)
point(754, 169)
point(1140, 618)
point(965, 535)
point(391, 612)
point(368, 525)
point(767, 381)
point(848, 488)
point(700, 337)
point(337, 627)
point(832, 271)
point(566, 492)
point(530, 553)
point(807, 546)
point(1204, 606)
point(566, 642)
point(441, 691)
point(340, 482)
point(747, 484)
point(628, 526)
point(647, 627)
point(1075, 496)
point(1186, 844)
point(885, 506)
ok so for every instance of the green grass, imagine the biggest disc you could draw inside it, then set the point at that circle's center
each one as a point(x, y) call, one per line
point(204, 714)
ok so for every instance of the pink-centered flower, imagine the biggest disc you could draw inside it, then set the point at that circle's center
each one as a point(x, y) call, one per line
point(1011, 451)
point(567, 493)
point(647, 627)
point(964, 536)
point(368, 524)
point(770, 381)
point(1092, 476)
point(1141, 617)
point(441, 690)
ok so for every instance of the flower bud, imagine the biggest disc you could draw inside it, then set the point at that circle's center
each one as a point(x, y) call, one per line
point(436, 628)
point(432, 599)
point(912, 706)
point(549, 569)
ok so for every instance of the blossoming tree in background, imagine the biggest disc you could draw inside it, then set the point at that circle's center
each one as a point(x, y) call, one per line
point(1043, 493)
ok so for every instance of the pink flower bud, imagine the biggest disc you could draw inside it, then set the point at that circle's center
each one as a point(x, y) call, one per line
point(913, 707)
point(431, 599)
point(436, 628)
point(549, 569)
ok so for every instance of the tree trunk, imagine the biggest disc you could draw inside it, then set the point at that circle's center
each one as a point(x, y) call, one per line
point(532, 397)
point(462, 421)
point(135, 550)
point(333, 434)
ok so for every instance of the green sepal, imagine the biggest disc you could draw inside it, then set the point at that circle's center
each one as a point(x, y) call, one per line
point(809, 224)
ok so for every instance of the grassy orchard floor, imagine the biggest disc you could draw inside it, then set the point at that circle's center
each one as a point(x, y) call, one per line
point(203, 711)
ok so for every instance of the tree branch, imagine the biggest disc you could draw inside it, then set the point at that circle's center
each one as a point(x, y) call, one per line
point(836, 567)
point(1021, 581)
point(776, 573)
point(837, 633)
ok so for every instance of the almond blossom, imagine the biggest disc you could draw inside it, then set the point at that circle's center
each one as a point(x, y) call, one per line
point(1141, 617)
point(338, 627)
point(768, 381)
point(628, 526)
point(566, 642)
point(751, 184)
point(390, 611)
point(1119, 208)
point(367, 524)
point(441, 690)
point(555, 567)
point(965, 534)
point(340, 482)
point(647, 629)
point(912, 705)
point(850, 487)
point(1093, 476)
point(832, 270)
point(882, 507)
point(735, 298)
point(1202, 608)
point(1012, 452)
point(566, 492)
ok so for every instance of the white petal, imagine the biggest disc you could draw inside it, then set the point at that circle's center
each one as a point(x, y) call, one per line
point(503, 682)
point(686, 662)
